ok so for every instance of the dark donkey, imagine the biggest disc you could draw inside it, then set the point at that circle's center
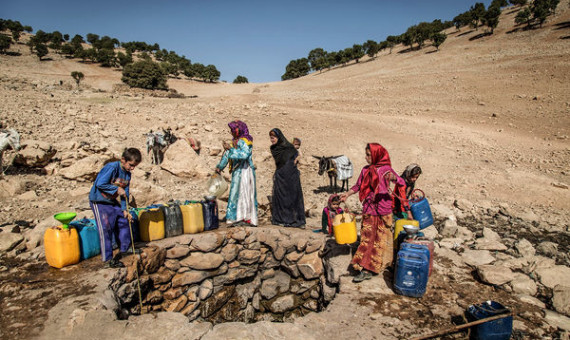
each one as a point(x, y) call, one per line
point(336, 167)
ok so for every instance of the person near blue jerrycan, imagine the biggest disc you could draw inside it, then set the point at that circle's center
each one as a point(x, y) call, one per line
point(403, 193)
point(108, 200)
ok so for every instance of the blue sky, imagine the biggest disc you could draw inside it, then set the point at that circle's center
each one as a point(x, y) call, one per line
point(256, 39)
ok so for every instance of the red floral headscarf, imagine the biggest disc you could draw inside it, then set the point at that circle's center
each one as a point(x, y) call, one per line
point(380, 157)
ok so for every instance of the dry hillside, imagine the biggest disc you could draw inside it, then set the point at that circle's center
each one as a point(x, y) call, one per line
point(487, 118)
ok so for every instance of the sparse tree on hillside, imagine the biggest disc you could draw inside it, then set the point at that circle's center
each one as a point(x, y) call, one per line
point(371, 48)
point(491, 18)
point(106, 57)
point(408, 38)
point(518, 2)
point(392, 41)
point(296, 68)
point(66, 37)
point(317, 59)
point(552, 5)
point(124, 59)
point(477, 13)
point(357, 52)
point(241, 80)
point(462, 19)
point(212, 74)
point(500, 3)
point(5, 42)
point(56, 39)
point(41, 50)
point(438, 39)
point(92, 38)
point(169, 69)
point(523, 16)
point(77, 76)
point(145, 74)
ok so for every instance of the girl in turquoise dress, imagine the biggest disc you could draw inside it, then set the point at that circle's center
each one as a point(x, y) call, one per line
point(242, 202)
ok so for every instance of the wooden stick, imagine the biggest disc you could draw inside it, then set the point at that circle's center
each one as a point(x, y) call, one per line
point(466, 325)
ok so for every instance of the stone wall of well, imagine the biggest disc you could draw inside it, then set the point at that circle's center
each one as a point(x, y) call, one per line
point(238, 274)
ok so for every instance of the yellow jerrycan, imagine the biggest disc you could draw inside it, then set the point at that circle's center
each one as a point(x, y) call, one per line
point(344, 228)
point(400, 226)
point(192, 218)
point(151, 225)
point(61, 246)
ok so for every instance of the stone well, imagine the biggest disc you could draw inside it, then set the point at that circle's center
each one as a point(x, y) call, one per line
point(239, 274)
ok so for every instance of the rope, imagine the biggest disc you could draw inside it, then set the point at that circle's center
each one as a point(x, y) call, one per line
point(135, 255)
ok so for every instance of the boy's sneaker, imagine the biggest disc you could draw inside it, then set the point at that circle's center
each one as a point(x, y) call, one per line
point(130, 252)
point(114, 263)
point(363, 275)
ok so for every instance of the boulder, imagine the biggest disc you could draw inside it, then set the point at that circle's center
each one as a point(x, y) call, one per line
point(490, 241)
point(85, 169)
point(449, 228)
point(207, 242)
point(310, 266)
point(283, 304)
point(277, 284)
point(10, 187)
point(195, 276)
point(525, 248)
point(561, 299)
point(477, 257)
point(202, 261)
point(495, 275)
point(337, 261)
point(554, 276)
point(522, 284)
point(206, 289)
point(181, 161)
point(557, 320)
point(247, 256)
point(146, 193)
point(9, 240)
point(35, 154)
point(548, 248)
point(430, 232)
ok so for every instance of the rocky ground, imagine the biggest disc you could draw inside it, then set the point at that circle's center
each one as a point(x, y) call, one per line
point(486, 118)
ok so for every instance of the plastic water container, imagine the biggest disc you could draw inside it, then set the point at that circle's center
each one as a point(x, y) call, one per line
point(173, 225)
point(400, 226)
point(61, 246)
point(210, 212)
point(500, 329)
point(424, 246)
point(402, 236)
point(344, 228)
point(411, 275)
point(422, 212)
point(192, 218)
point(151, 225)
point(89, 241)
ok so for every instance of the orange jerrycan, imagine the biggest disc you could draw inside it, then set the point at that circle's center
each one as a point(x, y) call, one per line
point(192, 218)
point(344, 228)
point(61, 246)
point(400, 226)
point(151, 225)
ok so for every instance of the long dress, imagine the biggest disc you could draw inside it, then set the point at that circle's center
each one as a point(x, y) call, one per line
point(287, 205)
point(242, 202)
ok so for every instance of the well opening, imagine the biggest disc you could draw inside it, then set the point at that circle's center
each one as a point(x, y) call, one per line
point(239, 274)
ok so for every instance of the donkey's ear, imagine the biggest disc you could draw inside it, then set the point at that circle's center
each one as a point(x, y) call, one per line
point(317, 157)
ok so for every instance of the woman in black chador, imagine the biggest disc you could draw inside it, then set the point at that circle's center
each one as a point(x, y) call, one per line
point(287, 206)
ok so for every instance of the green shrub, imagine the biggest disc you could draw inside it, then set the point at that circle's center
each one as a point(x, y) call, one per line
point(145, 74)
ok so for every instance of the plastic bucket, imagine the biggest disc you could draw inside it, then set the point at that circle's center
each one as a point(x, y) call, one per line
point(500, 329)
point(344, 229)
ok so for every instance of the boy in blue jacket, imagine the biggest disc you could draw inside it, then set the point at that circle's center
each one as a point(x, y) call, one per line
point(108, 199)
